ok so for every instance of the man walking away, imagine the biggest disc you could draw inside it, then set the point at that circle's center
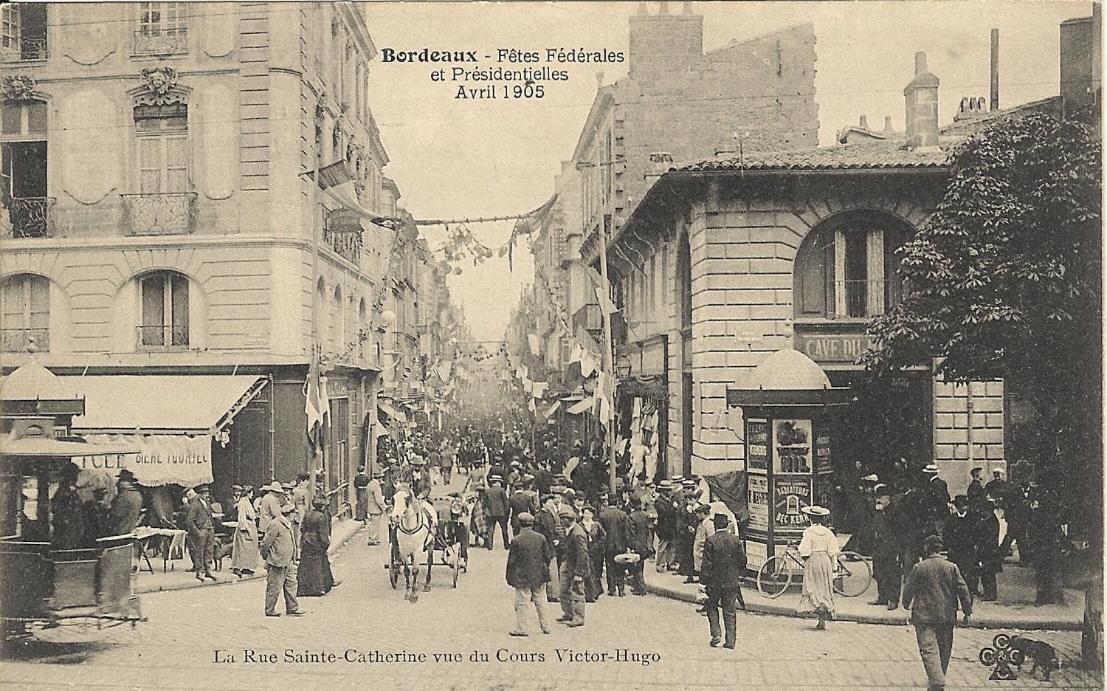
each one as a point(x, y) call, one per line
point(527, 571)
point(615, 524)
point(446, 464)
point(933, 590)
point(724, 562)
point(960, 541)
point(277, 549)
point(574, 570)
point(666, 525)
point(361, 484)
point(496, 506)
point(639, 540)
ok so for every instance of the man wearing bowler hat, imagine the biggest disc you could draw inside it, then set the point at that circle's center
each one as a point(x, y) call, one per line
point(126, 508)
point(724, 562)
point(933, 590)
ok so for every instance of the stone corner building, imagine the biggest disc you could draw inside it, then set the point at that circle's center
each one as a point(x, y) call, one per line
point(762, 250)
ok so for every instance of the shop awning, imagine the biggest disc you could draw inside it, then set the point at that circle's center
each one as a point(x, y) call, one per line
point(56, 448)
point(391, 412)
point(161, 404)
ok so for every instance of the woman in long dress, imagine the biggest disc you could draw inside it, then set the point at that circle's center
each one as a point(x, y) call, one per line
point(819, 547)
point(314, 541)
point(244, 551)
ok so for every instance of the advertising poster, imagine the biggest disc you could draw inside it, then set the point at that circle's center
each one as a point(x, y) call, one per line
point(757, 501)
point(757, 442)
point(792, 446)
point(790, 496)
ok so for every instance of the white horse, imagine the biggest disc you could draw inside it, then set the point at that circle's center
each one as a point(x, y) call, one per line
point(414, 529)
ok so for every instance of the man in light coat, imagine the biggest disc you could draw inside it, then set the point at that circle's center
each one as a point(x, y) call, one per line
point(269, 508)
point(933, 590)
point(277, 548)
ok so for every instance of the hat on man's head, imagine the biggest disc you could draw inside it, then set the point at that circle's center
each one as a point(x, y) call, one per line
point(976, 470)
point(815, 510)
point(665, 484)
point(567, 514)
point(236, 488)
point(200, 489)
point(721, 520)
point(126, 475)
point(931, 469)
point(526, 519)
point(997, 471)
point(495, 478)
point(688, 483)
point(677, 479)
point(274, 486)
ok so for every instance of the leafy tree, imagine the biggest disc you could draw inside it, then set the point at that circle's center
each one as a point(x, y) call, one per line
point(1004, 281)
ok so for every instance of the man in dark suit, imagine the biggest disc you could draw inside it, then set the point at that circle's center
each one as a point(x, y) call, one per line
point(496, 505)
point(201, 532)
point(960, 540)
point(575, 570)
point(975, 489)
point(528, 572)
point(887, 549)
point(524, 500)
point(666, 525)
point(548, 524)
point(724, 562)
point(615, 524)
point(938, 494)
point(126, 508)
point(932, 592)
point(638, 539)
point(988, 551)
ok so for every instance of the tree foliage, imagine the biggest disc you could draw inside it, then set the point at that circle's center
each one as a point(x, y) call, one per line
point(1004, 281)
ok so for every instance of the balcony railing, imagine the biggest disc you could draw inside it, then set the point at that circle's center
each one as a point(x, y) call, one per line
point(17, 340)
point(28, 217)
point(26, 50)
point(167, 337)
point(862, 298)
point(161, 41)
point(346, 244)
point(159, 213)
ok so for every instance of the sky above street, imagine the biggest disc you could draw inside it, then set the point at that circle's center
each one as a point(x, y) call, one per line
point(463, 159)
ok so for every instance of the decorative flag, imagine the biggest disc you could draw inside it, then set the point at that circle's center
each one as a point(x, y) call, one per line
point(324, 400)
point(312, 408)
point(605, 302)
point(532, 339)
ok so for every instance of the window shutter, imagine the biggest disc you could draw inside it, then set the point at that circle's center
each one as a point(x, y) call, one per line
point(39, 298)
point(149, 163)
point(816, 273)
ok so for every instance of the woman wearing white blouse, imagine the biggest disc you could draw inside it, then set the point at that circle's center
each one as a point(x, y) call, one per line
point(819, 547)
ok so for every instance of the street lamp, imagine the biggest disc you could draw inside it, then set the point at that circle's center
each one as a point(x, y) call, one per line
point(623, 367)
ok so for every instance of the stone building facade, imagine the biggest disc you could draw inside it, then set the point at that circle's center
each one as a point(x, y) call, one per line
point(160, 212)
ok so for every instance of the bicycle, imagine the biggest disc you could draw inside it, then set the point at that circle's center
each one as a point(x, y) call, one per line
point(852, 573)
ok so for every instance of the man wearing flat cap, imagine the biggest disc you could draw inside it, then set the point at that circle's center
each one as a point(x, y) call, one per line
point(575, 570)
point(528, 572)
point(933, 590)
point(975, 490)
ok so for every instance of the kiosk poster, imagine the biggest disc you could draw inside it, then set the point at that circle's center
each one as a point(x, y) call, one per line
point(757, 502)
point(792, 443)
point(757, 442)
point(790, 495)
point(822, 451)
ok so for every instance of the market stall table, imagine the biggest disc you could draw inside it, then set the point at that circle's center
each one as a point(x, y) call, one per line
point(170, 540)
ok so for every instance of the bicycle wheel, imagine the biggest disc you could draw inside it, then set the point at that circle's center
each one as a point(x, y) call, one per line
point(852, 575)
point(774, 577)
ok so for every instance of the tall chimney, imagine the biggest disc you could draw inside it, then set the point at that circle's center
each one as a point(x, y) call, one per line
point(921, 100)
point(993, 102)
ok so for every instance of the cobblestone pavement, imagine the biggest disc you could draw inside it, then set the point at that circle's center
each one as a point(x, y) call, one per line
point(666, 640)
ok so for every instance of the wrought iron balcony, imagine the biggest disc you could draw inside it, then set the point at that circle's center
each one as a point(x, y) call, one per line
point(162, 337)
point(862, 298)
point(26, 50)
point(159, 213)
point(347, 245)
point(28, 217)
point(17, 340)
point(161, 41)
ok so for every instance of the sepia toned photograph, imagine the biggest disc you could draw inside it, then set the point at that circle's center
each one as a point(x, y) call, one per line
point(551, 345)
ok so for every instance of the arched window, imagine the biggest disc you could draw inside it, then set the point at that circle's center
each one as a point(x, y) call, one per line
point(164, 319)
point(320, 311)
point(26, 315)
point(684, 282)
point(846, 267)
point(335, 334)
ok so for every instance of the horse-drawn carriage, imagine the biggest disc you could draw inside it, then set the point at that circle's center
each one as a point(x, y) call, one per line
point(413, 532)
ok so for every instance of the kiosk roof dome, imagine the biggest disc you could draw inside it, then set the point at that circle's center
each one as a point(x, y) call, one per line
point(787, 370)
point(31, 382)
